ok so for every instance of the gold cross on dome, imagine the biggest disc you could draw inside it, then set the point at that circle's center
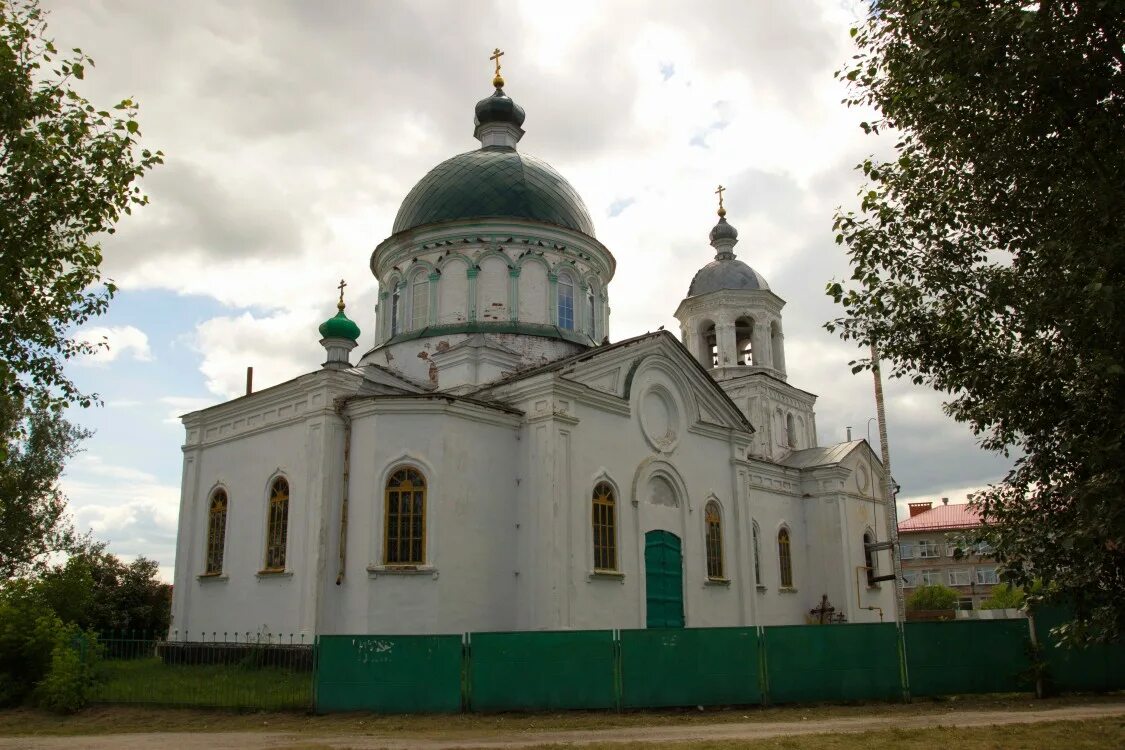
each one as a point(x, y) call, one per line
point(719, 192)
point(340, 286)
point(498, 80)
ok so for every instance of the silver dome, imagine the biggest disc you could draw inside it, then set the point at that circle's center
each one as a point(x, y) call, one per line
point(727, 273)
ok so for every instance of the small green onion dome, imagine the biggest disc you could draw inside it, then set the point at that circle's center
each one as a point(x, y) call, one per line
point(339, 326)
point(499, 108)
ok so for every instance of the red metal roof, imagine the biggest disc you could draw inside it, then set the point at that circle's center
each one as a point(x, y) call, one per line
point(941, 517)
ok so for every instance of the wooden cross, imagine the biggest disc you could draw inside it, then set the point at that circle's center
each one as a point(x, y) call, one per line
point(341, 286)
point(496, 55)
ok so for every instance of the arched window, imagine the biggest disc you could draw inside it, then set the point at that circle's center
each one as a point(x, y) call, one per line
point(396, 302)
point(869, 558)
point(709, 356)
point(790, 431)
point(405, 532)
point(420, 302)
point(744, 340)
point(605, 527)
point(757, 539)
point(216, 532)
point(566, 302)
point(714, 540)
point(277, 531)
point(784, 559)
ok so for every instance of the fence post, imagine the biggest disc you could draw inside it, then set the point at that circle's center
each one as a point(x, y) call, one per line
point(763, 667)
point(466, 673)
point(618, 671)
point(903, 666)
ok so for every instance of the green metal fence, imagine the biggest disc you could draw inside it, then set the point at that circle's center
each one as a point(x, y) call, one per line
point(677, 667)
point(807, 663)
point(967, 656)
point(542, 670)
point(1099, 667)
point(594, 669)
point(215, 670)
point(389, 674)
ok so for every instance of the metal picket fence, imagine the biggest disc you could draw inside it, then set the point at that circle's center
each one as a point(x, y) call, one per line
point(213, 670)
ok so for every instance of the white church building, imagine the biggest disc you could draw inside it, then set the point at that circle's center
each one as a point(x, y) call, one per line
point(494, 463)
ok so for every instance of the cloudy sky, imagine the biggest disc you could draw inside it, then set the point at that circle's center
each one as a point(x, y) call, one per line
point(292, 130)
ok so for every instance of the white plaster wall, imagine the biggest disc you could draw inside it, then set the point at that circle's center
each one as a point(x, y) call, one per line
point(240, 600)
point(533, 292)
point(565, 459)
point(411, 358)
point(492, 290)
point(453, 292)
point(774, 605)
point(468, 582)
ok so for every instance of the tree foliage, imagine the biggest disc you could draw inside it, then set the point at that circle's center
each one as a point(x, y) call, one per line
point(67, 173)
point(988, 261)
point(1004, 596)
point(42, 659)
point(99, 592)
point(34, 445)
point(932, 598)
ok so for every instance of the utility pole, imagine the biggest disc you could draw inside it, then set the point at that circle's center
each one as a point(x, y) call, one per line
point(889, 494)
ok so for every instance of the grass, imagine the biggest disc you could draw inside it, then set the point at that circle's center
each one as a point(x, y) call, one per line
point(131, 719)
point(153, 682)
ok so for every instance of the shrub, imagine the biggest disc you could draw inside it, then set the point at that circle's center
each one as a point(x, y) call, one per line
point(66, 688)
point(1004, 596)
point(932, 597)
point(41, 658)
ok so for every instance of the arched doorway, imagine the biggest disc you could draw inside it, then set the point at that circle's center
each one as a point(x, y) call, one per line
point(664, 580)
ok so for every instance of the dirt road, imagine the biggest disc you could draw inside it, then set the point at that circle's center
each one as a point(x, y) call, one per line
point(510, 740)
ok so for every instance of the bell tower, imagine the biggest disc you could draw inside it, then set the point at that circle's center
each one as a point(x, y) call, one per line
point(731, 322)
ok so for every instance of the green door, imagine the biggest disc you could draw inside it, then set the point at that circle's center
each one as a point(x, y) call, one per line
point(664, 580)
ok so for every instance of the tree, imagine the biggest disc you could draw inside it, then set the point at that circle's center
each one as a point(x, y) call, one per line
point(988, 261)
point(33, 519)
point(1004, 596)
point(932, 598)
point(99, 592)
point(67, 173)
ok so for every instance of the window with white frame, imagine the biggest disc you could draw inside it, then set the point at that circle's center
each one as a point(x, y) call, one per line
point(951, 547)
point(927, 549)
point(959, 577)
point(906, 550)
point(909, 579)
point(965, 603)
point(987, 576)
point(932, 577)
point(566, 302)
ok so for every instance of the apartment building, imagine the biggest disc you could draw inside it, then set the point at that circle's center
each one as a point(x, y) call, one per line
point(928, 543)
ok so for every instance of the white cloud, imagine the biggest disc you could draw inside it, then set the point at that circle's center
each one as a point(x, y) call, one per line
point(181, 405)
point(114, 342)
point(132, 510)
point(278, 346)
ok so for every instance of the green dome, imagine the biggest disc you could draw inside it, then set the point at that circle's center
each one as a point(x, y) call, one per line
point(339, 326)
point(494, 182)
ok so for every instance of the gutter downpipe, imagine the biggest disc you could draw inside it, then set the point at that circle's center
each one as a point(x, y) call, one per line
point(341, 406)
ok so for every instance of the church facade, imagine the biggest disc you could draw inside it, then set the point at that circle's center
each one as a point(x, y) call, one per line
point(493, 462)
